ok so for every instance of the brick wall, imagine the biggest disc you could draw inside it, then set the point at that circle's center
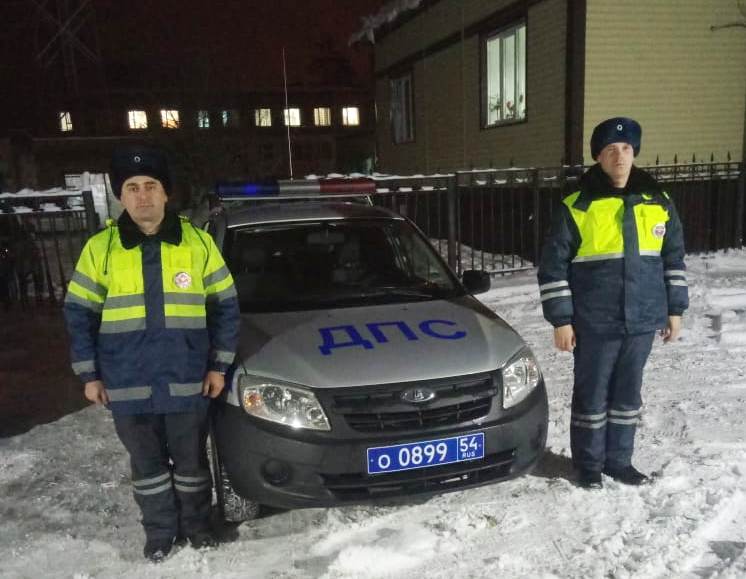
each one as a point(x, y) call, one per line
point(660, 63)
point(448, 132)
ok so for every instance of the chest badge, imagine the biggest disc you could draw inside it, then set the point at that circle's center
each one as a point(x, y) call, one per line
point(183, 280)
point(659, 230)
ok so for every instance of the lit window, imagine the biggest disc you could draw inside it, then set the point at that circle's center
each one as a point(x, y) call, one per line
point(504, 92)
point(263, 117)
point(138, 120)
point(203, 119)
point(292, 117)
point(322, 116)
point(350, 116)
point(169, 119)
point(66, 122)
point(402, 119)
point(229, 118)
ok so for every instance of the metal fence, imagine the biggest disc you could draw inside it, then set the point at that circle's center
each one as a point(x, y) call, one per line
point(41, 236)
point(496, 219)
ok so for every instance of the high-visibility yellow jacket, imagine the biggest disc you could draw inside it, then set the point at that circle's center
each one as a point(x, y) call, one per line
point(614, 262)
point(151, 315)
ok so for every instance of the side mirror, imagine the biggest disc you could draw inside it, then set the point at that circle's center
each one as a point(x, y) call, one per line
point(476, 281)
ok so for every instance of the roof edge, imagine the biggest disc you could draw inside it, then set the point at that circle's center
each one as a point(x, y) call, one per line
point(390, 16)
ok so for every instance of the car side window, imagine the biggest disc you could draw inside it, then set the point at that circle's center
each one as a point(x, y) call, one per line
point(419, 260)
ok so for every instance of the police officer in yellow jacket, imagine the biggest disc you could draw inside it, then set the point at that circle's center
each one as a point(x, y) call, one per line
point(611, 274)
point(153, 319)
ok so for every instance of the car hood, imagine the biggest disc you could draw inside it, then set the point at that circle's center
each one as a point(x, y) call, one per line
point(378, 344)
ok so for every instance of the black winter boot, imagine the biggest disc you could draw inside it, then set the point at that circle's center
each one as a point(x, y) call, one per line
point(590, 479)
point(156, 550)
point(203, 540)
point(627, 475)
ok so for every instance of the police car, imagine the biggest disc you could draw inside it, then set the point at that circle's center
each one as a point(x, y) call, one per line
point(366, 369)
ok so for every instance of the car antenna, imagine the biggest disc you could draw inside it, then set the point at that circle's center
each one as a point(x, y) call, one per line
point(286, 116)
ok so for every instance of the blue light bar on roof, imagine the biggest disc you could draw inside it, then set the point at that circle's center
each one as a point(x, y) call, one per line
point(246, 189)
point(298, 187)
point(309, 187)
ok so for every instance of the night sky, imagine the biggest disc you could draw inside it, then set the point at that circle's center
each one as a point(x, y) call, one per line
point(241, 40)
point(224, 45)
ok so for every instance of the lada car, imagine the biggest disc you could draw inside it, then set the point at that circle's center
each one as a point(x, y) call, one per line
point(366, 369)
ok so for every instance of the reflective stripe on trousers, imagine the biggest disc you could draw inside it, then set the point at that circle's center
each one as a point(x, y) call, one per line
point(192, 484)
point(606, 398)
point(153, 441)
point(153, 485)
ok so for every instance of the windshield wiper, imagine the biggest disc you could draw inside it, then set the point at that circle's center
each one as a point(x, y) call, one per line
point(398, 291)
point(320, 300)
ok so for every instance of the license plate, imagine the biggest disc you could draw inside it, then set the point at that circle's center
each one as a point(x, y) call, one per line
point(412, 455)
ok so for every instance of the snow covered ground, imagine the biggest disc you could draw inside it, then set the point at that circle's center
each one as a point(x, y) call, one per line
point(66, 508)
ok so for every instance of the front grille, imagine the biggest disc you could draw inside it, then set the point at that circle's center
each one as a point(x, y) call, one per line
point(356, 487)
point(381, 409)
point(425, 418)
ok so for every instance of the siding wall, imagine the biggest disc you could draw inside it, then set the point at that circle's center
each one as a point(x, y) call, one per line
point(437, 22)
point(448, 133)
point(660, 63)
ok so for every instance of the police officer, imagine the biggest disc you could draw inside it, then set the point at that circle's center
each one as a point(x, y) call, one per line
point(153, 320)
point(612, 273)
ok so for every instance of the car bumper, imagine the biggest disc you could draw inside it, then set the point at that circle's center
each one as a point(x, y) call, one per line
point(283, 468)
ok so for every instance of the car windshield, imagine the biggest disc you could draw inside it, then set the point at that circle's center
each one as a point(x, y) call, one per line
point(316, 265)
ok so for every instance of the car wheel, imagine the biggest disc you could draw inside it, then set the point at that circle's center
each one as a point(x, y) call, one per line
point(232, 507)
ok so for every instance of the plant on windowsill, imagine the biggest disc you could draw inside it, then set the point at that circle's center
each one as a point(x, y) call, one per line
point(509, 113)
point(513, 110)
point(495, 106)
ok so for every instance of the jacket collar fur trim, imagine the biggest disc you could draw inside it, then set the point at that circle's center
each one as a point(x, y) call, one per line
point(595, 184)
point(131, 236)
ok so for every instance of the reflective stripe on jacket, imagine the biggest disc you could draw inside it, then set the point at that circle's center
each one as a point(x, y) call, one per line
point(151, 320)
point(614, 262)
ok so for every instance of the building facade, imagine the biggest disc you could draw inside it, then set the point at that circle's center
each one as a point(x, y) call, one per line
point(226, 136)
point(233, 90)
point(479, 83)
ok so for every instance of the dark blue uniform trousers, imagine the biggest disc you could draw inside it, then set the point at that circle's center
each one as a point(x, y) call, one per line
point(170, 473)
point(606, 398)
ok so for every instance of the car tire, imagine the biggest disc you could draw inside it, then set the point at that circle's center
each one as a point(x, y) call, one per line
point(232, 507)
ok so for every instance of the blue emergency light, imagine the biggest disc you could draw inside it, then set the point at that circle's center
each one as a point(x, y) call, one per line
point(237, 190)
point(246, 189)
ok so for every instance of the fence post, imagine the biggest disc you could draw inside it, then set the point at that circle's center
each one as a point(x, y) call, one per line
point(740, 216)
point(451, 205)
point(537, 217)
point(91, 218)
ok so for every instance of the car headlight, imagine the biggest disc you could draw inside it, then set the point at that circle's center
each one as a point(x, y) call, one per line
point(276, 401)
point(520, 376)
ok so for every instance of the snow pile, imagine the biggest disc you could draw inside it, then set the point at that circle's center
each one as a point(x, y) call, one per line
point(55, 192)
point(64, 198)
point(67, 510)
point(69, 198)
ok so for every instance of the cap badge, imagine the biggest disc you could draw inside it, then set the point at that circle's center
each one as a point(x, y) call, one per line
point(659, 230)
point(183, 280)
point(619, 127)
point(138, 158)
